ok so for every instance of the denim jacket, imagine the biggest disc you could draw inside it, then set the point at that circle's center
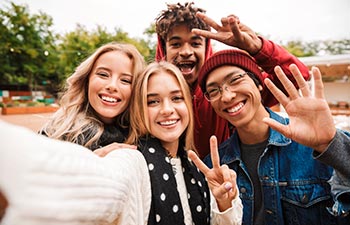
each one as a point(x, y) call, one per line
point(295, 186)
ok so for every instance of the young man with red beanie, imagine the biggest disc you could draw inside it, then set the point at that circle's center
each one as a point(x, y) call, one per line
point(183, 39)
point(279, 180)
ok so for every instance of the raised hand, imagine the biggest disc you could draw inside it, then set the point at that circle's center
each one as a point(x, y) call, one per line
point(311, 122)
point(231, 32)
point(221, 179)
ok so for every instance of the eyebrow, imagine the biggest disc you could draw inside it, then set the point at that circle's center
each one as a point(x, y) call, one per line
point(109, 70)
point(102, 68)
point(172, 92)
point(193, 38)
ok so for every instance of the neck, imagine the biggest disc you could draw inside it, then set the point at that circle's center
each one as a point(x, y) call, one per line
point(255, 131)
point(171, 148)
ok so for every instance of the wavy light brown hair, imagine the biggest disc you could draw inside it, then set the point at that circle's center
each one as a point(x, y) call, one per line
point(76, 121)
point(139, 123)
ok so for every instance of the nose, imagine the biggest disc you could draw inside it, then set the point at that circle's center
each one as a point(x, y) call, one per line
point(167, 108)
point(227, 94)
point(186, 50)
point(112, 84)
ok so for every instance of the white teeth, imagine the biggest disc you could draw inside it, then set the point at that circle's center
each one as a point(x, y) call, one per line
point(167, 123)
point(236, 108)
point(109, 99)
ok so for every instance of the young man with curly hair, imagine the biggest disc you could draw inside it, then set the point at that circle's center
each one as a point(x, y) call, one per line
point(184, 39)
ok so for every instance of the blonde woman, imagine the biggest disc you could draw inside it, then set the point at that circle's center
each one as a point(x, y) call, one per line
point(162, 125)
point(94, 106)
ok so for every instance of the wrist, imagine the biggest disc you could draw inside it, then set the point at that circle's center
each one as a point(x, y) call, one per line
point(255, 46)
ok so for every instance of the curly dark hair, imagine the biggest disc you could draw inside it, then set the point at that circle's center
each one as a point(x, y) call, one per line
point(177, 14)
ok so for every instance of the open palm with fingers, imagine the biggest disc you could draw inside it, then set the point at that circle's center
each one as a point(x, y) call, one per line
point(311, 122)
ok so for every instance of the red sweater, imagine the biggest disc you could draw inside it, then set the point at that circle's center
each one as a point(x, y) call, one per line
point(207, 123)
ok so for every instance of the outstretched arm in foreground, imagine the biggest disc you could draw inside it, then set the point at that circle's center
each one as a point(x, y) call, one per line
point(46, 181)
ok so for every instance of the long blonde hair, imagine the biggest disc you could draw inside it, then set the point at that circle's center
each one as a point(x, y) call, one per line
point(139, 123)
point(76, 121)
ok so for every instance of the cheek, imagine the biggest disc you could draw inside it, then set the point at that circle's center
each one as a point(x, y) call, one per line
point(126, 93)
point(170, 55)
point(215, 105)
point(94, 85)
point(186, 115)
point(151, 117)
point(200, 53)
point(90, 91)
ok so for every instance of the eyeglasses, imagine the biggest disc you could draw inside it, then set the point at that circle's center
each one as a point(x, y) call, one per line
point(214, 92)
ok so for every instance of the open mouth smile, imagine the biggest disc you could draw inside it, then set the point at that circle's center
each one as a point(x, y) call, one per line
point(109, 99)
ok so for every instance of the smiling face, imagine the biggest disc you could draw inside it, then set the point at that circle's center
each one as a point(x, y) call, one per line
point(109, 87)
point(186, 50)
point(167, 111)
point(241, 104)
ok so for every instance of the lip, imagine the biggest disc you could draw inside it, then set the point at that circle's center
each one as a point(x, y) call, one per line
point(109, 99)
point(186, 67)
point(168, 123)
point(235, 109)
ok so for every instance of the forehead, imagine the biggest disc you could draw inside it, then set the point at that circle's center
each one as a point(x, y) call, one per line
point(112, 56)
point(162, 80)
point(182, 31)
point(113, 59)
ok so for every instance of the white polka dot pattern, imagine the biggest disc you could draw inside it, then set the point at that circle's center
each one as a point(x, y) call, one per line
point(162, 197)
point(165, 176)
point(150, 167)
point(175, 208)
point(177, 194)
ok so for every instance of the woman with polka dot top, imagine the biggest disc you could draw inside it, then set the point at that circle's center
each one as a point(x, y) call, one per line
point(184, 190)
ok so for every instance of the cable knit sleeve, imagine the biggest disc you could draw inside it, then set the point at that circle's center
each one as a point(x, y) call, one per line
point(52, 182)
point(231, 216)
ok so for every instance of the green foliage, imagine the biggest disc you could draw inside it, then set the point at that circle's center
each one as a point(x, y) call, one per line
point(32, 53)
point(26, 37)
point(329, 47)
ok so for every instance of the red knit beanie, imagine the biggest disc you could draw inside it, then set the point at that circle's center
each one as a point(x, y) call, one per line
point(233, 57)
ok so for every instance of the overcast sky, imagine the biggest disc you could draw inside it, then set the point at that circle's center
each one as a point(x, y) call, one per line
point(278, 20)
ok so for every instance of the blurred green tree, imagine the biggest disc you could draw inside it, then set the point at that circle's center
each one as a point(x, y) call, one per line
point(27, 41)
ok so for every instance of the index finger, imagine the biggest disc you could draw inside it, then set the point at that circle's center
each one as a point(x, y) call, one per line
point(287, 84)
point(214, 154)
point(208, 20)
point(198, 162)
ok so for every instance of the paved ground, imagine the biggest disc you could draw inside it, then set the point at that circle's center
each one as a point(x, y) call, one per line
point(31, 121)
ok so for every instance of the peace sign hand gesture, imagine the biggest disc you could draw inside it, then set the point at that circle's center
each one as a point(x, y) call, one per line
point(221, 179)
point(231, 32)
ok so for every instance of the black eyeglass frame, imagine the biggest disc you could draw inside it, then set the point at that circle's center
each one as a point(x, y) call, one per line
point(220, 87)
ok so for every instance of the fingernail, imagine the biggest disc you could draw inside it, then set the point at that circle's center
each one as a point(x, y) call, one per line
point(228, 186)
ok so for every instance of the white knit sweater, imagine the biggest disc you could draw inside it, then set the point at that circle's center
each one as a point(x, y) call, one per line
point(52, 182)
